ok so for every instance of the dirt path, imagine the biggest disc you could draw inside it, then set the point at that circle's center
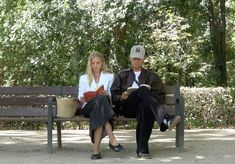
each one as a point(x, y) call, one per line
point(215, 146)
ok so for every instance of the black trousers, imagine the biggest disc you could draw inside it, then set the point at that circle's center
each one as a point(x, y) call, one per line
point(100, 111)
point(146, 109)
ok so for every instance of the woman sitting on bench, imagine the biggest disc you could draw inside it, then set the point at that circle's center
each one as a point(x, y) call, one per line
point(98, 108)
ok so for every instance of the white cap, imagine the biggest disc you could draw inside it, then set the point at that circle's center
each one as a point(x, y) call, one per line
point(137, 51)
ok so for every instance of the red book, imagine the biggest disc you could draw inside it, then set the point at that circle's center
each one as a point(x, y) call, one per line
point(91, 94)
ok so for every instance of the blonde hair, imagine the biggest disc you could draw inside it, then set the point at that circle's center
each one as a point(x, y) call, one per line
point(88, 67)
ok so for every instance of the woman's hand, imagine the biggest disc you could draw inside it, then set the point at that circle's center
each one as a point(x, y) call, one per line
point(82, 100)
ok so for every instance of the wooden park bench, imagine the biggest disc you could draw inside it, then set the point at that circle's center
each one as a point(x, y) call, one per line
point(38, 104)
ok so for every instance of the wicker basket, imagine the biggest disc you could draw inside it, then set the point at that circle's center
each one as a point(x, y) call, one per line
point(66, 107)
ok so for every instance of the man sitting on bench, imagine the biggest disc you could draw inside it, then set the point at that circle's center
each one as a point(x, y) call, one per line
point(138, 93)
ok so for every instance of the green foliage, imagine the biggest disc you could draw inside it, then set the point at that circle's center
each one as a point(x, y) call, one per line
point(46, 42)
point(174, 55)
point(46, 45)
point(209, 107)
point(128, 24)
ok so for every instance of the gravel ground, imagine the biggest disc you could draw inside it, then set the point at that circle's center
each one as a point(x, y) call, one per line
point(215, 146)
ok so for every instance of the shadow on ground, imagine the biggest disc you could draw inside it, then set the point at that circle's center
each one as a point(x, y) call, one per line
point(201, 146)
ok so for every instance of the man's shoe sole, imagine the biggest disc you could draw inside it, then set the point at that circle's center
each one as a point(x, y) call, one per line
point(174, 122)
point(143, 156)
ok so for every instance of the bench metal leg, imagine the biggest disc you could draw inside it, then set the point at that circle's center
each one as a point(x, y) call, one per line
point(180, 128)
point(49, 126)
point(58, 124)
point(49, 138)
point(180, 136)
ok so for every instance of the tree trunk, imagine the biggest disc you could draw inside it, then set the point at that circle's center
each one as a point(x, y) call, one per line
point(217, 28)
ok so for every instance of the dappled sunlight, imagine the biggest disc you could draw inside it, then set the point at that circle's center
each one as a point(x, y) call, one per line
point(175, 157)
point(76, 139)
point(11, 137)
point(141, 159)
point(162, 140)
point(165, 160)
point(229, 156)
point(199, 157)
point(193, 159)
point(211, 134)
point(170, 159)
point(201, 145)
point(15, 133)
point(9, 142)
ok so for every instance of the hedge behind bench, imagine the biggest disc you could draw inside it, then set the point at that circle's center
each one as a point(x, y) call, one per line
point(204, 107)
point(209, 107)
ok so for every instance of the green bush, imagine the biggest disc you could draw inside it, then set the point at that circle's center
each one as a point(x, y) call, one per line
point(209, 107)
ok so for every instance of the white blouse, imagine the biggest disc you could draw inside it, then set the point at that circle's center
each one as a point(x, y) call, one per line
point(106, 79)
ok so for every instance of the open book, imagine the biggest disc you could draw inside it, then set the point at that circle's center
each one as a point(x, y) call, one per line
point(91, 94)
point(131, 89)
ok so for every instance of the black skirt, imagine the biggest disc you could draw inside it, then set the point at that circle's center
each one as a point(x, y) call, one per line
point(100, 111)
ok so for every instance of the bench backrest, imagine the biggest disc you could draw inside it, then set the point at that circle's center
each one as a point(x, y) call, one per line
point(173, 98)
point(172, 93)
point(171, 103)
point(36, 97)
point(69, 91)
point(29, 101)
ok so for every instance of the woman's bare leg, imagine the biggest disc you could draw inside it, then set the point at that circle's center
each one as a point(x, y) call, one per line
point(109, 130)
point(97, 138)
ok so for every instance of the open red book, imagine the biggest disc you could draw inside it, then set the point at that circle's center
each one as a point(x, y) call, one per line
point(91, 94)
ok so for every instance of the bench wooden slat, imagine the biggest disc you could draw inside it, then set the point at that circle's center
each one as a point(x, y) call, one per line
point(170, 109)
point(77, 118)
point(73, 91)
point(49, 90)
point(25, 101)
point(170, 99)
point(170, 89)
point(29, 119)
point(82, 118)
point(23, 112)
point(122, 118)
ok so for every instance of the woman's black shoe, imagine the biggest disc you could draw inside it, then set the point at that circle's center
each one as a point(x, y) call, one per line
point(96, 156)
point(116, 148)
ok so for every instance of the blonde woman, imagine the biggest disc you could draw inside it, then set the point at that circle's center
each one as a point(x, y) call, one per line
point(98, 109)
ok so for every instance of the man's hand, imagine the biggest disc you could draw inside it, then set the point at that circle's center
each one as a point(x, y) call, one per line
point(124, 95)
point(104, 93)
